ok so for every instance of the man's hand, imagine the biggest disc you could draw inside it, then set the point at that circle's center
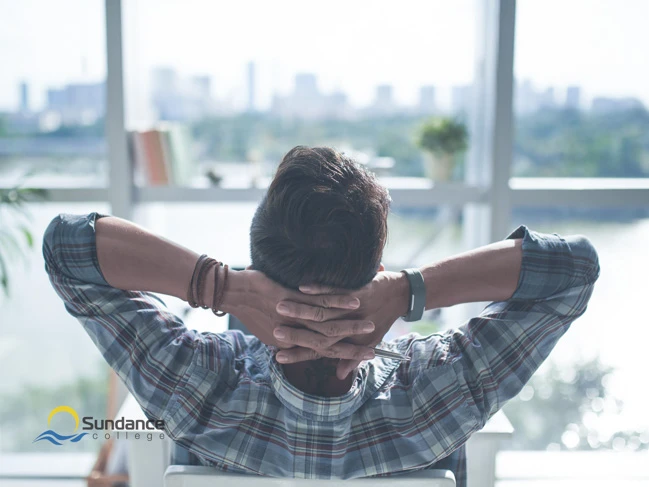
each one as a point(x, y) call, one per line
point(258, 302)
point(382, 301)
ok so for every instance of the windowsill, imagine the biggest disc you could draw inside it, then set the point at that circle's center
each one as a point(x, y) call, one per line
point(46, 465)
point(578, 183)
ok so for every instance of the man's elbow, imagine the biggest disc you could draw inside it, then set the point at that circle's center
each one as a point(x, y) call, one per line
point(585, 258)
point(50, 238)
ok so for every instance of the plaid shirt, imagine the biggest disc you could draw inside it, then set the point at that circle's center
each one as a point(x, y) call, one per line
point(225, 399)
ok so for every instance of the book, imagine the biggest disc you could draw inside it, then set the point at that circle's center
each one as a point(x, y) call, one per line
point(162, 156)
point(149, 156)
point(176, 144)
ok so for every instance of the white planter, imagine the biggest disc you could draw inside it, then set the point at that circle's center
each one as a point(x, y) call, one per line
point(439, 167)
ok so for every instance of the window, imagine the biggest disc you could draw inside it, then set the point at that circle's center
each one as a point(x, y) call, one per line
point(252, 79)
point(52, 96)
point(588, 394)
point(418, 237)
point(245, 81)
point(582, 90)
point(48, 358)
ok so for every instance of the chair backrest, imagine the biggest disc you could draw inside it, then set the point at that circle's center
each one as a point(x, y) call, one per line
point(190, 476)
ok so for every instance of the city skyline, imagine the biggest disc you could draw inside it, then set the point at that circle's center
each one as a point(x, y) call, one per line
point(350, 48)
point(189, 98)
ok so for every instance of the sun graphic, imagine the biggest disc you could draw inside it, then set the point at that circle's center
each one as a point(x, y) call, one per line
point(57, 438)
point(64, 409)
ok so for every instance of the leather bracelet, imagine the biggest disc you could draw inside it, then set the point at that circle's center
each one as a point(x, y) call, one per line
point(417, 302)
point(202, 275)
point(215, 296)
point(218, 304)
point(201, 271)
point(191, 298)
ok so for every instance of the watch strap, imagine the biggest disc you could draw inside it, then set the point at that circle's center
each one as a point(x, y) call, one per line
point(417, 303)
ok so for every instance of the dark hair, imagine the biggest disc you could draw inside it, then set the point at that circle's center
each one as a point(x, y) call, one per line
point(323, 220)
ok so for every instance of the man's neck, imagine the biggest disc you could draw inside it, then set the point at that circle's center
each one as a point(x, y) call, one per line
point(318, 377)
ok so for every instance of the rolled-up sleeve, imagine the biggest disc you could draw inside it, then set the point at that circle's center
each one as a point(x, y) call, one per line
point(492, 356)
point(497, 352)
point(149, 347)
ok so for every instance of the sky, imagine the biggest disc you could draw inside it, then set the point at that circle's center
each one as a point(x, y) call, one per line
point(353, 46)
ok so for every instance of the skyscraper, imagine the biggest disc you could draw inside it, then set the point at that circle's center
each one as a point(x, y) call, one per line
point(202, 86)
point(547, 99)
point(426, 100)
point(78, 103)
point(602, 104)
point(251, 86)
point(306, 86)
point(573, 97)
point(525, 98)
point(384, 100)
point(461, 98)
point(24, 97)
point(306, 101)
point(164, 83)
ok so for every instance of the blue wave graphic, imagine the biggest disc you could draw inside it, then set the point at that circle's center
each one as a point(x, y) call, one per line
point(54, 438)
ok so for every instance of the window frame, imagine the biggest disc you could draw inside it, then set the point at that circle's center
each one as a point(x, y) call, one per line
point(488, 188)
point(488, 194)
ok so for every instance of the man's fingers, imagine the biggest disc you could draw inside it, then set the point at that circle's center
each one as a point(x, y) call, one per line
point(336, 301)
point(297, 354)
point(344, 350)
point(342, 328)
point(323, 345)
point(301, 311)
point(330, 297)
point(303, 337)
point(317, 289)
point(320, 335)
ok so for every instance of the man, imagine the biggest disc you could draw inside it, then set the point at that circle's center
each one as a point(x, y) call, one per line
point(317, 292)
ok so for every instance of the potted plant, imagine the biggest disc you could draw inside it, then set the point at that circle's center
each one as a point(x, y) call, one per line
point(443, 140)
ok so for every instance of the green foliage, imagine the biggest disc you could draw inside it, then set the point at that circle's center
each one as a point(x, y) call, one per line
point(562, 409)
point(443, 136)
point(23, 415)
point(232, 138)
point(15, 235)
point(569, 143)
point(547, 143)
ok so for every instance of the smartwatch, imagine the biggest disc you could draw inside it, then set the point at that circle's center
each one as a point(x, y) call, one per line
point(417, 303)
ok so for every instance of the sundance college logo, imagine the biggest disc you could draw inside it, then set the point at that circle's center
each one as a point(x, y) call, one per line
point(105, 426)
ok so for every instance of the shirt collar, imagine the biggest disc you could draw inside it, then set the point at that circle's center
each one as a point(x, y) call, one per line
point(371, 376)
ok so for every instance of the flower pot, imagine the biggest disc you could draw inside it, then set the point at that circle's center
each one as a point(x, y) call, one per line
point(439, 167)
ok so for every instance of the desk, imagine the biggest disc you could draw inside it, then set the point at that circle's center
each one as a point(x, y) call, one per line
point(148, 460)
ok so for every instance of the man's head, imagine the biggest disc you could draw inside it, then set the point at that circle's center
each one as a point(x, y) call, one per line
point(323, 220)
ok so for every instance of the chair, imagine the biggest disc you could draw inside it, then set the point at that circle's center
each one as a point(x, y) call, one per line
point(191, 476)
